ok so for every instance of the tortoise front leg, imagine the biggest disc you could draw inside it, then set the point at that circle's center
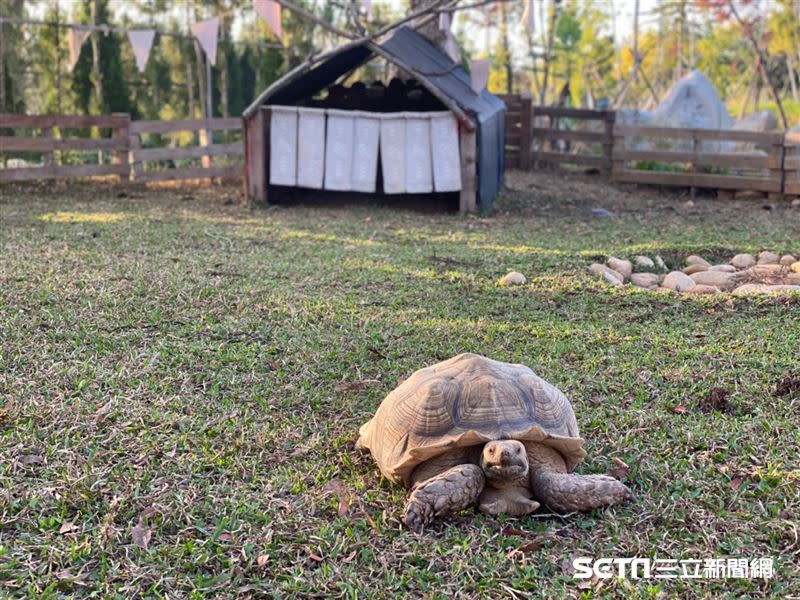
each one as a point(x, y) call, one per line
point(450, 491)
point(568, 492)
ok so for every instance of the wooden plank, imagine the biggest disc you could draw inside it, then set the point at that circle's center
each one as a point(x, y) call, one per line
point(568, 134)
point(185, 125)
point(727, 182)
point(526, 135)
point(190, 173)
point(63, 121)
point(762, 137)
point(45, 144)
point(62, 172)
point(234, 148)
point(120, 157)
point(701, 158)
point(573, 113)
point(468, 199)
point(256, 139)
point(575, 159)
point(792, 187)
point(791, 162)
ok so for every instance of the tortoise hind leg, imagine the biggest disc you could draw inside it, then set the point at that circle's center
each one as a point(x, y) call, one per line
point(448, 492)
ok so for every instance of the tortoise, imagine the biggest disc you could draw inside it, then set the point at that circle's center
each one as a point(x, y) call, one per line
point(475, 430)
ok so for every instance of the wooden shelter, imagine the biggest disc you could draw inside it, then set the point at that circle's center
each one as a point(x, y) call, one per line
point(432, 82)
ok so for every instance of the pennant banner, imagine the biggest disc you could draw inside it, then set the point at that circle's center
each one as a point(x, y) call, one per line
point(527, 16)
point(76, 39)
point(270, 11)
point(445, 20)
point(142, 42)
point(206, 33)
point(479, 74)
point(367, 6)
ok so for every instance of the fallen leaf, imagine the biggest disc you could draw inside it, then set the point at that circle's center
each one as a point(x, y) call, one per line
point(717, 399)
point(225, 537)
point(679, 409)
point(620, 471)
point(508, 530)
point(789, 384)
point(67, 526)
point(535, 544)
point(314, 557)
point(141, 535)
point(349, 557)
point(344, 507)
point(736, 483)
point(261, 561)
point(334, 486)
point(31, 459)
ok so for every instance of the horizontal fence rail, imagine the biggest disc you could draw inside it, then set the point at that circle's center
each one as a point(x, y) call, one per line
point(60, 154)
point(567, 138)
point(141, 156)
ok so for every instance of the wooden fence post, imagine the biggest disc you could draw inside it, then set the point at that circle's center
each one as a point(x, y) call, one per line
point(617, 148)
point(776, 170)
point(608, 144)
point(120, 155)
point(526, 125)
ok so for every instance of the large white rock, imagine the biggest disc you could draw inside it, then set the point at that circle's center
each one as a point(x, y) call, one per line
point(724, 281)
point(645, 280)
point(723, 268)
point(625, 267)
point(644, 262)
point(512, 278)
point(603, 270)
point(696, 268)
point(787, 260)
point(697, 260)
point(743, 261)
point(679, 282)
point(768, 258)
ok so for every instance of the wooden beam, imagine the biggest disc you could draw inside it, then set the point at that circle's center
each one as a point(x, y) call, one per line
point(468, 199)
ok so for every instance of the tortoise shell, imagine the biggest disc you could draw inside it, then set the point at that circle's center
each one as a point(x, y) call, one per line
point(465, 401)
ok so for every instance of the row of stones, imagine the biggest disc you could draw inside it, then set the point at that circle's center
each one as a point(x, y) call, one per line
point(745, 274)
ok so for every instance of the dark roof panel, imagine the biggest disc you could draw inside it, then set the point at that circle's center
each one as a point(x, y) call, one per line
point(419, 54)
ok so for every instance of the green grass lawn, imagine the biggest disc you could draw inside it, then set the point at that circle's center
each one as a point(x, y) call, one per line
point(183, 372)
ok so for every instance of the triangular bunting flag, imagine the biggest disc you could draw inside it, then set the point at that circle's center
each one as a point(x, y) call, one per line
point(367, 6)
point(206, 33)
point(445, 20)
point(451, 49)
point(527, 16)
point(142, 41)
point(479, 74)
point(76, 39)
point(270, 11)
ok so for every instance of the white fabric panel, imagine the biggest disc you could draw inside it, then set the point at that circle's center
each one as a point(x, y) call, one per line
point(365, 151)
point(283, 146)
point(339, 149)
point(419, 168)
point(310, 147)
point(393, 152)
point(446, 157)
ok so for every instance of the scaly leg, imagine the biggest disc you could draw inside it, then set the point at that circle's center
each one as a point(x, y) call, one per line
point(450, 491)
point(567, 492)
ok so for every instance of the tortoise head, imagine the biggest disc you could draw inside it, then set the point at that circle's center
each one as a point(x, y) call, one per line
point(504, 460)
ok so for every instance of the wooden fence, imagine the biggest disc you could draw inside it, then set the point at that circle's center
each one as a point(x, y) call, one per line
point(728, 160)
point(709, 158)
point(791, 165)
point(142, 156)
point(51, 138)
point(766, 162)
